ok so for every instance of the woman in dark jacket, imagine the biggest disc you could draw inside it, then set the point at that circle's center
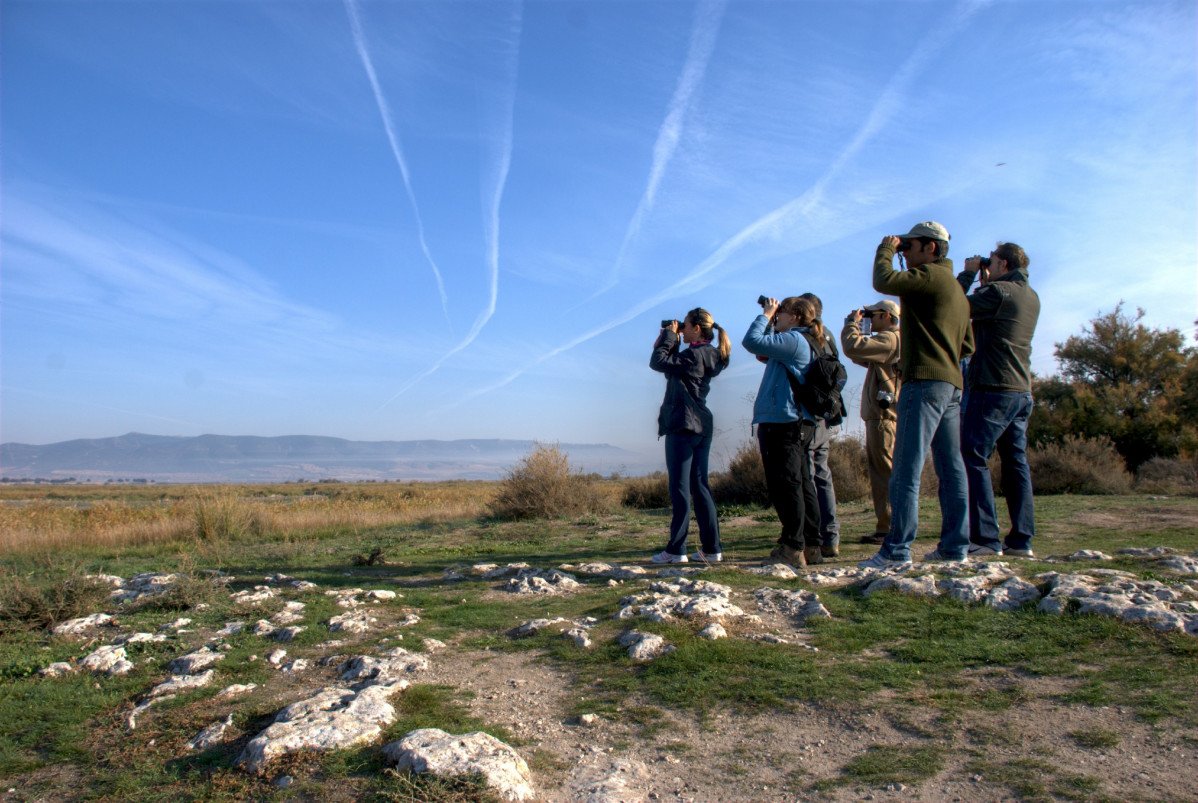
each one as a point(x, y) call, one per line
point(688, 426)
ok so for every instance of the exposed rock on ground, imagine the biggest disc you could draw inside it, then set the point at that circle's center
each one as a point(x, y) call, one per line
point(433, 750)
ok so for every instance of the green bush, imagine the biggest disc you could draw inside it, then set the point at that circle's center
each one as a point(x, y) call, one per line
point(1168, 475)
point(1078, 466)
point(542, 486)
point(850, 469)
point(648, 492)
point(744, 481)
point(29, 604)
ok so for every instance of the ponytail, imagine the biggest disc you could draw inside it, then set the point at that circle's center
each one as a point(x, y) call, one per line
point(725, 347)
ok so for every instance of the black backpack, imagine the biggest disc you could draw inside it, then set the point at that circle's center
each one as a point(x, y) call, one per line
point(820, 391)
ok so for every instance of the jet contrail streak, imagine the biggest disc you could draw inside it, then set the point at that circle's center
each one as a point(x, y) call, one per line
point(703, 36)
point(492, 199)
point(385, 112)
point(774, 224)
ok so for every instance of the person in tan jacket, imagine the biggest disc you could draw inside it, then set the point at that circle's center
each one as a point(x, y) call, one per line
point(878, 355)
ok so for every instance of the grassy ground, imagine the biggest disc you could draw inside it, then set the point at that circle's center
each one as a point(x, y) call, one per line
point(935, 667)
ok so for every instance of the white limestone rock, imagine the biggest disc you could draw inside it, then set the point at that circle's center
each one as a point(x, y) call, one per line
point(175, 625)
point(231, 629)
point(56, 670)
point(969, 590)
point(645, 646)
point(263, 628)
point(1184, 564)
point(76, 626)
point(212, 735)
point(298, 665)
point(609, 570)
point(181, 683)
point(408, 620)
point(304, 585)
point(333, 719)
point(435, 751)
point(685, 598)
point(381, 595)
point(534, 626)
point(580, 636)
point(799, 605)
point(193, 662)
point(236, 689)
point(778, 571)
point(254, 596)
point(1150, 552)
point(390, 668)
point(431, 644)
point(147, 584)
point(541, 581)
point(924, 585)
point(103, 659)
point(352, 622)
point(713, 631)
point(1088, 554)
point(1012, 595)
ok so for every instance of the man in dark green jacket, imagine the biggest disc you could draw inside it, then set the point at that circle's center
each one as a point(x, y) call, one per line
point(935, 332)
point(998, 402)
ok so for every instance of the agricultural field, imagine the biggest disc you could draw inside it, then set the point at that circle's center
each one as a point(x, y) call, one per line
point(889, 696)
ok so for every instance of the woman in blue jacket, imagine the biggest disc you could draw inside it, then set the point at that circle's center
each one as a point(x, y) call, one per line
point(784, 428)
point(688, 426)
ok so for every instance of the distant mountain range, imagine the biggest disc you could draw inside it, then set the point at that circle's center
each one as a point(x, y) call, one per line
point(224, 458)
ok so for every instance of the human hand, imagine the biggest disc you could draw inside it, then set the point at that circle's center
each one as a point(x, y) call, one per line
point(892, 241)
point(769, 308)
point(973, 264)
point(856, 315)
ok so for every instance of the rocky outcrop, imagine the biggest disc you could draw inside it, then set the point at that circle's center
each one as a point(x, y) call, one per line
point(440, 753)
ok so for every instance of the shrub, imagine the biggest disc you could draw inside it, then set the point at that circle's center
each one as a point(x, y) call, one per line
point(542, 486)
point(1168, 475)
point(744, 481)
point(1078, 466)
point(850, 470)
point(219, 515)
point(648, 492)
point(26, 604)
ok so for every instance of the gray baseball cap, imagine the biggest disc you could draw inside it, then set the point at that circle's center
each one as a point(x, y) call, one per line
point(884, 306)
point(930, 229)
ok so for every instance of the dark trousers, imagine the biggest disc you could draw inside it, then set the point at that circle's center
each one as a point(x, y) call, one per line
point(784, 450)
point(686, 459)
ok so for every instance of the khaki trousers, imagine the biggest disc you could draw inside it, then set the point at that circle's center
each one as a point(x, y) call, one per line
point(879, 454)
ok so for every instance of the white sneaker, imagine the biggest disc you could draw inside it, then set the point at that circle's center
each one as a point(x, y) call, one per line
point(702, 557)
point(879, 561)
point(935, 557)
point(668, 557)
point(976, 551)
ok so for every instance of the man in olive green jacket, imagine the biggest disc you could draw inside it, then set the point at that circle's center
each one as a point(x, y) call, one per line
point(998, 401)
point(935, 332)
point(878, 355)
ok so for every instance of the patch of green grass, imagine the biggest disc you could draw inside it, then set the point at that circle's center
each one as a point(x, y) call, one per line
point(431, 706)
point(885, 764)
point(408, 787)
point(1036, 781)
point(1095, 737)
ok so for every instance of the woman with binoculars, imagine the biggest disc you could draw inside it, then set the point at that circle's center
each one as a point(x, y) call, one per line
point(688, 427)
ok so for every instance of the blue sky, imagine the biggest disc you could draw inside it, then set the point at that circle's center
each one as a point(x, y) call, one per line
point(383, 219)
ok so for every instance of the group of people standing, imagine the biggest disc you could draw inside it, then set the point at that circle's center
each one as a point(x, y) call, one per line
point(947, 371)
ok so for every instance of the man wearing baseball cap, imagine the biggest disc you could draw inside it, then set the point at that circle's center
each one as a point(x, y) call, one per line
point(878, 355)
point(935, 332)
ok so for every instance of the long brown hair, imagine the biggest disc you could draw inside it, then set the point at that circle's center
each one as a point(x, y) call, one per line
point(806, 314)
point(702, 318)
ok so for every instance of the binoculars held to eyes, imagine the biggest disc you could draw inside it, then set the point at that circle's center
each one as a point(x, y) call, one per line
point(762, 301)
point(668, 324)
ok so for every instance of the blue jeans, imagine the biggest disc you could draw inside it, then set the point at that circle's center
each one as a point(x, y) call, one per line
point(929, 414)
point(686, 459)
point(825, 492)
point(998, 418)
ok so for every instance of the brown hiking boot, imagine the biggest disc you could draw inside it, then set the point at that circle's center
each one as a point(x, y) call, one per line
point(813, 555)
point(829, 551)
point(788, 555)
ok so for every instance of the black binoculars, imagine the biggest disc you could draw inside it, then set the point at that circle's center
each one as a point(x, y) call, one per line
point(668, 324)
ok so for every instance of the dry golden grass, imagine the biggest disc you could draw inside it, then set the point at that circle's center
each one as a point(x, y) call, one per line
point(81, 517)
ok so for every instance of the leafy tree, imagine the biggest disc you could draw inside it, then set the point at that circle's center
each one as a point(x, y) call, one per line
point(1120, 379)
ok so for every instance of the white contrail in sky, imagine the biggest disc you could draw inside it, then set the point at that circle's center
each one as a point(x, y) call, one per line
point(774, 225)
point(703, 36)
point(393, 138)
point(492, 196)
